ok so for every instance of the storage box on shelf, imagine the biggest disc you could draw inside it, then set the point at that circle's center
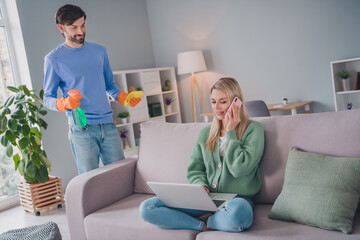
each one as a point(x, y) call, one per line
point(157, 84)
point(346, 99)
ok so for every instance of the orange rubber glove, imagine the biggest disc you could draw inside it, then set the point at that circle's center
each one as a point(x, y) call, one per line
point(134, 101)
point(122, 97)
point(71, 102)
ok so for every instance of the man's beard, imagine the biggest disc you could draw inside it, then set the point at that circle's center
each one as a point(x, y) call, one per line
point(78, 41)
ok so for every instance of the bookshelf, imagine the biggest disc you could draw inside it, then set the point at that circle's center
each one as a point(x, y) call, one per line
point(341, 97)
point(152, 106)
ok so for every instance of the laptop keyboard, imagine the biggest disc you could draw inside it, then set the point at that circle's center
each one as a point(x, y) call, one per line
point(218, 202)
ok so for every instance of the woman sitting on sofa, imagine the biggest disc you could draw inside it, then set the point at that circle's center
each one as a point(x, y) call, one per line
point(225, 159)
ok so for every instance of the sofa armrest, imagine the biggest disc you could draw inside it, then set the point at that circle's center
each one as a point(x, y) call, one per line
point(91, 191)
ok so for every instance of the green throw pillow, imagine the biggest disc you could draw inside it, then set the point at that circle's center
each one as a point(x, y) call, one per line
point(319, 191)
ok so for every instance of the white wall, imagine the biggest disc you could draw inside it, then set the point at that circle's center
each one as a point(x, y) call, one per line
point(121, 26)
point(274, 48)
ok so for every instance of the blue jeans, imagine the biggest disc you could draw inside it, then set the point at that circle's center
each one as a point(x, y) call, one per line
point(95, 141)
point(236, 216)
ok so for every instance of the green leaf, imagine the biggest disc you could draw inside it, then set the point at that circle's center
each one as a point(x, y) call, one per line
point(19, 106)
point(3, 124)
point(28, 178)
point(42, 175)
point(37, 140)
point(9, 101)
point(43, 112)
point(23, 143)
point(20, 96)
point(10, 136)
point(26, 90)
point(16, 159)
point(25, 130)
point(9, 150)
point(31, 170)
point(13, 89)
point(21, 167)
point(45, 161)
point(41, 94)
point(18, 114)
point(27, 159)
point(37, 99)
point(4, 141)
point(35, 131)
point(43, 123)
point(3, 113)
point(12, 124)
point(32, 120)
point(36, 159)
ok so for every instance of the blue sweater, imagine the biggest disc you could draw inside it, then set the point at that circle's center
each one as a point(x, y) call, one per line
point(86, 69)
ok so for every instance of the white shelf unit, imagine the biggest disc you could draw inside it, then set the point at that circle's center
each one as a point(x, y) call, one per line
point(341, 97)
point(151, 81)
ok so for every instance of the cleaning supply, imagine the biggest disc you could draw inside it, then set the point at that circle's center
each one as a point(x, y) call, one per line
point(132, 96)
point(130, 99)
point(70, 102)
point(78, 114)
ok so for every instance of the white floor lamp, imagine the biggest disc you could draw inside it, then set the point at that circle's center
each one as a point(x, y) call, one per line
point(191, 62)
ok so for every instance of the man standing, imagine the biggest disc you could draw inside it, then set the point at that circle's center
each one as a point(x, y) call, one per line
point(84, 66)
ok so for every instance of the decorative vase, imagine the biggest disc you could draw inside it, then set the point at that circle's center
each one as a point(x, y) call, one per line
point(124, 120)
point(346, 84)
point(168, 109)
point(39, 196)
point(125, 143)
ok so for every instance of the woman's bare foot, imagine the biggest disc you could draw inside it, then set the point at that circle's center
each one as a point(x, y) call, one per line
point(204, 219)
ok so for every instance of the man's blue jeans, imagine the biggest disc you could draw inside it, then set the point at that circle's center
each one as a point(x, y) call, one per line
point(236, 216)
point(94, 142)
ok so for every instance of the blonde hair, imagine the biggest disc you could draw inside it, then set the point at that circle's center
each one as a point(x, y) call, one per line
point(232, 89)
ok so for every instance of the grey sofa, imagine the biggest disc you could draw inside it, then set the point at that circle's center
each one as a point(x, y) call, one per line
point(104, 203)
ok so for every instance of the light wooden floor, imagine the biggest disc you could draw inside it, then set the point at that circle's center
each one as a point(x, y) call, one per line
point(16, 217)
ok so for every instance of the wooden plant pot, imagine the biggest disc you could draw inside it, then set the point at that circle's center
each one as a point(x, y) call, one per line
point(39, 196)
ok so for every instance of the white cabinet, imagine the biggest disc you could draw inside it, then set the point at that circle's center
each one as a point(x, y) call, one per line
point(152, 106)
point(343, 98)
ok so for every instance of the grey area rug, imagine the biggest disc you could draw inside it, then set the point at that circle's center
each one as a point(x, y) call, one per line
point(46, 231)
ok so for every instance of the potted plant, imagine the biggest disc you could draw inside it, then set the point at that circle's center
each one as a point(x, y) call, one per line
point(123, 116)
point(168, 101)
point(285, 101)
point(345, 76)
point(20, 125)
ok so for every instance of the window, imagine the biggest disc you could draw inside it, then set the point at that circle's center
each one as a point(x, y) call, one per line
point(8, 176)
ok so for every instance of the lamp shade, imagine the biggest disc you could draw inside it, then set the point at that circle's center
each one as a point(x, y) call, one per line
point(190, 62)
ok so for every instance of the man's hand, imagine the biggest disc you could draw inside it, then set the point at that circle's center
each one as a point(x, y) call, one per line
point(123, 98)
point(71, 102)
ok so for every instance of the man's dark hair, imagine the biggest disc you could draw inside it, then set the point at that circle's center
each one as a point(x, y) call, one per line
point(68, 14)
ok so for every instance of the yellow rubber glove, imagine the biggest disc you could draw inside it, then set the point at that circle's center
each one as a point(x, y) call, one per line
point(71, 102)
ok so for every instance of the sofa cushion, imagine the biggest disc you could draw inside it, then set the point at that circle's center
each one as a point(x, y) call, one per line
point(265, 228)
point(332, 133)
point(164, 152)
point(121, 220)
point(319, 190)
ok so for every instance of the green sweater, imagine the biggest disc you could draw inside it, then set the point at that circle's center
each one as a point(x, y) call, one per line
point(238, 171)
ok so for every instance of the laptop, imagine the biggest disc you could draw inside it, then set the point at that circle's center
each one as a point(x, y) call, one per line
point(189, 196)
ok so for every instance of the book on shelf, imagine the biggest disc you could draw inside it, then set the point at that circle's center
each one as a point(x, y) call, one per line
point(356, 81)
